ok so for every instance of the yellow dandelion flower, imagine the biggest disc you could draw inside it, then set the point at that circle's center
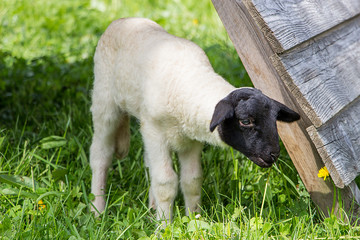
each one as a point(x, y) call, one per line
point(323, 173)
point(195, 21)
point(41, 205)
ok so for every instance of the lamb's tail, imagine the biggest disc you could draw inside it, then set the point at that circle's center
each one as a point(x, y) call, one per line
point(123, 137)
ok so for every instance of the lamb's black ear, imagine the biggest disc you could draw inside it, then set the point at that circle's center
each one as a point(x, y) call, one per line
point(285, 114)
point(223, 110)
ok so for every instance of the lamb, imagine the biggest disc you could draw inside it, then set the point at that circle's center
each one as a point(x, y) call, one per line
point(168, 84)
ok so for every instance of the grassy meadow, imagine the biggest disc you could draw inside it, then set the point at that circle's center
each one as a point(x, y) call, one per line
point(46, 50)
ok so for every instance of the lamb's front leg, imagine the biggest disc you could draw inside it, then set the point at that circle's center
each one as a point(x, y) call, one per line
point(164, 181)
point(191, 176)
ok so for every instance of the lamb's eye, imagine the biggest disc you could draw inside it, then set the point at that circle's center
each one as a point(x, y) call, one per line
point(245, 122)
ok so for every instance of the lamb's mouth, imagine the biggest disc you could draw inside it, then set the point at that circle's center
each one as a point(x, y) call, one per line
point(260, 162)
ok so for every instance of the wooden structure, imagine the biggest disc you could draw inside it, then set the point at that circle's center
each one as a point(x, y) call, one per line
point(306, 54)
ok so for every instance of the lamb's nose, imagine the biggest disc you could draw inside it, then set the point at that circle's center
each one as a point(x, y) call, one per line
point(274, 156)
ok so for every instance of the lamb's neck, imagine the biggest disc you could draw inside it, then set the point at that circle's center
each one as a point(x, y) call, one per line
point(203, 111)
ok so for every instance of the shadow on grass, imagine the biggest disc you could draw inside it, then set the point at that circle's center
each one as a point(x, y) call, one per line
point(41, 90)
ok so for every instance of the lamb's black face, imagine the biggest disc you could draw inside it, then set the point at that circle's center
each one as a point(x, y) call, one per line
point(246, 120)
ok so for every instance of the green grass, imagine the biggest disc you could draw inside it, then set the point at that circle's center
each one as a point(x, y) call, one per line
point(45, 133)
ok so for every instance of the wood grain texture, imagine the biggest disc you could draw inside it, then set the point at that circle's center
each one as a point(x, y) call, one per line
point(254, 51)
point(288, 23)
point(323, 74)
point(338, 143)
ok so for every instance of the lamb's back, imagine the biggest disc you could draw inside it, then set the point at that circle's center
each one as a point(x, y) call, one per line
point(150, 67)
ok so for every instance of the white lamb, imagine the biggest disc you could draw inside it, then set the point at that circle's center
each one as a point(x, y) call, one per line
point(168, 84)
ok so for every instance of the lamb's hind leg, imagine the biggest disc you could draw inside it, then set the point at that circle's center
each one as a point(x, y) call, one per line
point(191, 176)
point(109, 128)
point(164, 181)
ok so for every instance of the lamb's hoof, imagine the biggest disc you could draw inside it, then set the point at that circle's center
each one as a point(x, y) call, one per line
point(97, 206)
point(94, 211)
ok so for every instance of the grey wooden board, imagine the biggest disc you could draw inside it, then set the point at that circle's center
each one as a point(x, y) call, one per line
point(287, 23)
point(326, 71)
point(338, 141)
point(254, 52)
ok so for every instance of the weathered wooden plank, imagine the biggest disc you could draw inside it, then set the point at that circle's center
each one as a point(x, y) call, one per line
point(338, 143)
point(323, 74)
point(254, 52)
point(288, 23)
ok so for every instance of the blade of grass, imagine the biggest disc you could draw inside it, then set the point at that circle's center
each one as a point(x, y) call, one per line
point(266, 186)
